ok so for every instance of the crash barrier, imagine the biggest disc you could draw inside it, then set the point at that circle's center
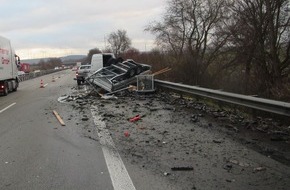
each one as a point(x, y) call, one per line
point(271, 106)
point(32, 75)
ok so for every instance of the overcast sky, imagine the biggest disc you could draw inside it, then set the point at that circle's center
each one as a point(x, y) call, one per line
point(45, 28)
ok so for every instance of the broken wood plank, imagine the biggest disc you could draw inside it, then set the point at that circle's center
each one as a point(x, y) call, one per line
point(58, 117)
point(162, 71)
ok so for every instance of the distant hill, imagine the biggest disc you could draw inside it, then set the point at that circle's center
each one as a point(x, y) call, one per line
point(65, 59)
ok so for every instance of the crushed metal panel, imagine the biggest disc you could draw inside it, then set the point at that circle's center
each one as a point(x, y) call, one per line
point(118, 75)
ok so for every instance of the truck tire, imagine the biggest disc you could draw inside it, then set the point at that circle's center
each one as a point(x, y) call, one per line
point(16, 86)
point(5, 92)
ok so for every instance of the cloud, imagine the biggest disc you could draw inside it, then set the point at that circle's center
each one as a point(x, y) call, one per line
point(74, 24)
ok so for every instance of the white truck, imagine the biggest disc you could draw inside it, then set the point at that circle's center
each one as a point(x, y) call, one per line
point(98, 61)
point(9, 64)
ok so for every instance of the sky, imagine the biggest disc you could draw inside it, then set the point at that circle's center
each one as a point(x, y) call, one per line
point(55, 28)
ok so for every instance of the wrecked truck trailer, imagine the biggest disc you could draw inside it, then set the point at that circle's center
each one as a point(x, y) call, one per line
point(118, 75)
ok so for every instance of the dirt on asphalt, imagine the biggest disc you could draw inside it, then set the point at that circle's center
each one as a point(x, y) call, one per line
point(188, 142)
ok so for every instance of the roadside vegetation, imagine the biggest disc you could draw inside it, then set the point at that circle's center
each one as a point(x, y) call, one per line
point(238, 46)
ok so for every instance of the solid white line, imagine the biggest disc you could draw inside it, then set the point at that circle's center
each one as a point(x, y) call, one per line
point(7, 107)
point(118, 172)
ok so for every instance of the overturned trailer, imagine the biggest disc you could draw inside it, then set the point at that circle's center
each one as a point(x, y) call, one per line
point(118, 75)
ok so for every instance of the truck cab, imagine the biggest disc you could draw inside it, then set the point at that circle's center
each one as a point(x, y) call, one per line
point(101, 60)
point(98, 61)
point(9, 64)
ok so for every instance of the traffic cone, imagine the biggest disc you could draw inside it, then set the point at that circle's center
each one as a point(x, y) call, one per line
point(53, 80)
point(41, 84)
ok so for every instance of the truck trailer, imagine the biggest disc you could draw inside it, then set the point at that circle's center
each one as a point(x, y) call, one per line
point(9, 64)
point(25, 67)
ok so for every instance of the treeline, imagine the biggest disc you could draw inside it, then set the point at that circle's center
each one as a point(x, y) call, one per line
point(50, 63)
point(241, 46)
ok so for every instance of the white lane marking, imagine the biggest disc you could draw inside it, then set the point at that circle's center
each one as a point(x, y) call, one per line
point(45, 84)
point(118, 172)
point(7, 107)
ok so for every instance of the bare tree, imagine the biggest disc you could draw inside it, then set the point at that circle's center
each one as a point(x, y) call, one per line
point(188, 30)
point(119, 42)
point(90, 54)
point(260, 35)
point(50, 63)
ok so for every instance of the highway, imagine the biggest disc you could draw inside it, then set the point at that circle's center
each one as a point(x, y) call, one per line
point(36, 152)
point(92, 151)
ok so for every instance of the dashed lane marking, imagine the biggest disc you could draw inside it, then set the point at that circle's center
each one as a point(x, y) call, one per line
point(118, 172)
point(7, 107)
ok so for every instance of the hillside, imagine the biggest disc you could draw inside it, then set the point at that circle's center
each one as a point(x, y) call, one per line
point(65, 59)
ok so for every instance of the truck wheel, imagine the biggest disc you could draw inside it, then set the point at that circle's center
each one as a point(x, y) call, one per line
point(16, 86)
point(5, 92)
point(79, 82)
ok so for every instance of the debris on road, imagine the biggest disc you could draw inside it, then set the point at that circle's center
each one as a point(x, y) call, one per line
point(109, 97)
point(216, 144)
point(259, 169)
point(217, 141)
point(135, 118)
point(166, 173)
point(188, 168)
point(126, 134)
point(58, 117)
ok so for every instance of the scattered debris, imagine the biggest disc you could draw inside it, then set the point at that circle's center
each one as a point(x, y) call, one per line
point(136, 118)
point(230, 180)
point(234, 162)
point(109, 97)
point(228, 166)
point(259, 169)
point(85, 119)
point(194, 118)
point(166, 173)
point(188, 168)
point(58, 117)
point(217, 141)
point(126, 134)
point(168, 137)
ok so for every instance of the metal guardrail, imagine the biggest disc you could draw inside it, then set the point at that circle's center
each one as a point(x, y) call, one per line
point(272, 106)
point(32, 75)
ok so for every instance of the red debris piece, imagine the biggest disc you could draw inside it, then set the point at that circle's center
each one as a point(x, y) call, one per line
point(136, 118)
point(126, 134)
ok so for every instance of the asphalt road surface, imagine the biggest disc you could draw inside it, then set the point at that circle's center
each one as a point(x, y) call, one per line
point(36, 152)
point(99, 148)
